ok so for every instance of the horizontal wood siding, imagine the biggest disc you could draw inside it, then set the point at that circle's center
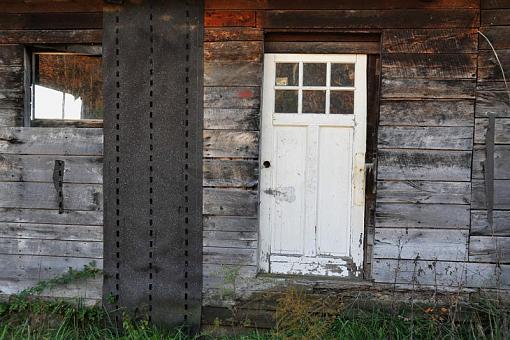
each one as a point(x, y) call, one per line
point(37, 241)
point(439, 83)
point(436, 92)
point(489, 244)
point(425, 154)
point(233, 52)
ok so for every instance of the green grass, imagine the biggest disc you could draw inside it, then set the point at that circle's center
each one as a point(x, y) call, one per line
point(298, 316)
point(63, 320)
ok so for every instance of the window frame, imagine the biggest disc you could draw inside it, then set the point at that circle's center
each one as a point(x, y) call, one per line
point(71, 49)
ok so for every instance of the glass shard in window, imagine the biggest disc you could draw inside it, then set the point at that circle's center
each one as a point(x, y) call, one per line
point(314, 101)
point(314, 74)
point(286, 101)
point(287, 74)
point(67, 86)
point(342, 74)
point(341, 102)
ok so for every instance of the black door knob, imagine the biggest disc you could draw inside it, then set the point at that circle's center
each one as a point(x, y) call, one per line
point(266, 164)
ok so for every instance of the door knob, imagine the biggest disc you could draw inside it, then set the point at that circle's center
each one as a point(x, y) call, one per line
point(266, 164)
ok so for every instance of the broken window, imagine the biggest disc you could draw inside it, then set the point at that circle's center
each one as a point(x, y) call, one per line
point(66, 86)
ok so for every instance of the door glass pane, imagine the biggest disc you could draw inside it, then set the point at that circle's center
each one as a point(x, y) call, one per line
point(287, 74)
point(314, 74)
point(286, 101)
point(342, 74)
point(341, 102)
point(314, 101)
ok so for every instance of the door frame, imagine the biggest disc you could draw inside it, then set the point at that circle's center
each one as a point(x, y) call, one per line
point(357, 234)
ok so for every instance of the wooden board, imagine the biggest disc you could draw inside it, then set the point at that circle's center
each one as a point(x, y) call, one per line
point(229, 18)
point(229, 51)
point(494, 17)
point(39, 168)
point(426, 216)
point(50, 6)
point(33, 215)
point(497, 35)
point(429, 41)
point(488, 66)
point(50, 36)
point(60, 232)
point(419, 192)
point(51, 141)
point(11, 116)
point(496, 102)
point(230, 223)
point(11, 78)
point(488, 275)
point(425, 88)
point(11, 55)
point(230, 256)
point(230, 173)
point(440, 165)
point(489, 249)
point(487, 4)
point(429, 66)
point(501, 134)
point(11, 99)
point(420, 273)
point(241, 239)
point(44, 196)
point(233, 34)
point(501, 161)
point(232, 74)
point(220, 143)
point(346, 4)
point(35, 267)
point(411, 18)
point(491, 86)
point(501, 197)
point(230, 202)
point(427, 112)
point(500, 223)
point(449, 138)
point(23, 246)
point(232, 97)
point(332, 47)
point(231, 119)
point(443, 245)
point(89, 290)
point(51, 21)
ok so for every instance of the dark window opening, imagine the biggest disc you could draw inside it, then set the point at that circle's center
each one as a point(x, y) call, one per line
point(66, 87)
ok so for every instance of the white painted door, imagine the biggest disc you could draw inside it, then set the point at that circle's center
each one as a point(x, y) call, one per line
point(313, 164)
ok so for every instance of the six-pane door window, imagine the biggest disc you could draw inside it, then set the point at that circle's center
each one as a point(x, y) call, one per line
point(314, 88)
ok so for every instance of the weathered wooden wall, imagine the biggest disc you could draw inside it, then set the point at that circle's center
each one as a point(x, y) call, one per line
point(489, 246)
point(430, 68)
point(425, 150)
point(37, 241)
point(25, 23)
point(439, 82)
point(233, 73)
point(11, 84)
